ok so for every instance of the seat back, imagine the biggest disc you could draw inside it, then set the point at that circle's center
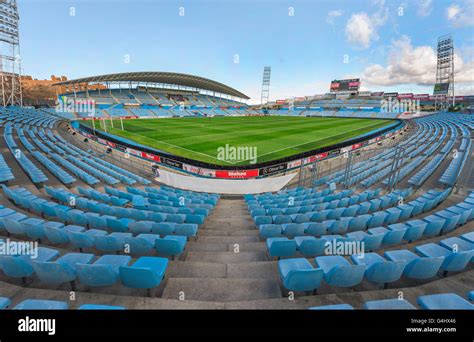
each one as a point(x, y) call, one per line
point(345, 276)
point(304, 280)
point(53, 272)
point(97, 274)
point(139, 278)
point(423, 268)
point(385, 272)
point(16, 266)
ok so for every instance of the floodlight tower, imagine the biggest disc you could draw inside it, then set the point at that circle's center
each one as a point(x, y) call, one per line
point(10, 63)
point(265, 85)
point(445, 71)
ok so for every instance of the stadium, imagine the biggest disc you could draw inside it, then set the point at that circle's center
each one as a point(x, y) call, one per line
point(148, 191)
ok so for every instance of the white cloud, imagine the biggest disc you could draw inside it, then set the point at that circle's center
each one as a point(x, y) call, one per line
point(332, 15)
point(424, 8)
point(461, 14)
point(407, 64)
point(361, 29)
point(452, 11)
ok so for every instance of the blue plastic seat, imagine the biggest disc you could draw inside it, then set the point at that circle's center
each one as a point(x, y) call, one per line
point(364, 208)
point(377, 219)
point(111, 243)
point(469, 237)
point(339, 272)
point(15, 226)
point(464, 213)
point(145, 273)
point(319, 216)
point(41, 304)
point(118, 225)
point(61, 270)
point(301, 218)
point(140, 227)
point(100, 307)
point(453, 261)
point(389, 304)
point(379, 270)
point(103, 272)
point(413, 231)
point(434, 224)
point(351, 211)
point(299, 275)
point(258, 212)
point(371, 241)
point(4, 302)
point(77, 217)
point(84, 239)
point(290, 211)
point(335, 214)
point(293, 229)
point(163, 228)
point(310, 246)
point(281, 247)
point(11, 217)
point(281, 219)
point(186, 229)
point(193, 218)
point(274, 211)
point(20, 266)
point(170, 245)
point(393, 215)
point(391, 236)
point(138, 245)
point(59, 235)
point(444, 301)
point(407, 212)
point(359, 222)
point(451, 220)
point(332, 307)
point(415, 266)
point(259, 220)
point(34, 228)
point(176, 218)
point(457, 244)
point(317, 228)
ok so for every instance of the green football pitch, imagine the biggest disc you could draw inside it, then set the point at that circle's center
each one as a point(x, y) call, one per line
point(238, 140)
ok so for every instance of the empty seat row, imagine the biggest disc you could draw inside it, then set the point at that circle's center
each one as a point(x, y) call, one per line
point(146, 272)
point(45, 304)
point(102, 216)
point(5, 171)
point(299, 274)
point(442, 301)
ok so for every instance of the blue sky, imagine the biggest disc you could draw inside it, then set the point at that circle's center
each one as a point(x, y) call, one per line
point(388, 44)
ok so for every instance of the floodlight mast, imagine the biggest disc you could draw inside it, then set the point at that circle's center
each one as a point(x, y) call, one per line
point(444, 72)
point(10, 61)
point(265, 85)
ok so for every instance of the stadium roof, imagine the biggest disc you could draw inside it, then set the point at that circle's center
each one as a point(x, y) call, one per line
point(162, 77)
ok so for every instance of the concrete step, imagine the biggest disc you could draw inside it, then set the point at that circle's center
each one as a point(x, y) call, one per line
point(251, 270)
point(242, 225)
point(196, 246)
point(226, 257)
point(221, 290)
point(192, 269)
point(228, 232)
point(227, 239)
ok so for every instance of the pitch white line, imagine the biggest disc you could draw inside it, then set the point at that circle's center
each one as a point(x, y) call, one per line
point(240, 161)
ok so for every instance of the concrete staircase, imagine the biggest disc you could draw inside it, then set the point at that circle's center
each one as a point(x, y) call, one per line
point(227, 262)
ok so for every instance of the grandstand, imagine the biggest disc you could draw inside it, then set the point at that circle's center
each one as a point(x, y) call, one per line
point(83, 208)
point(144, 193)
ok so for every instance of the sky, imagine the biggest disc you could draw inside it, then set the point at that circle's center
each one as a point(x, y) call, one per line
point(390, 45)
